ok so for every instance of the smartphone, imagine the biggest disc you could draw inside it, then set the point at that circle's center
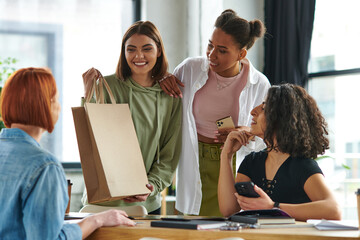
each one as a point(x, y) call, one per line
point(225, 123)
point(246, 189)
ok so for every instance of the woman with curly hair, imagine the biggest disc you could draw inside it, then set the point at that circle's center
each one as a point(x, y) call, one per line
point(285, 174)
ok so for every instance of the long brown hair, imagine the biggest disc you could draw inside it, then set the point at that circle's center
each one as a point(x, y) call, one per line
point(148, 29)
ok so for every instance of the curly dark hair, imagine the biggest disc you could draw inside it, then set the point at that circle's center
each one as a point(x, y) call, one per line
point(295, 121)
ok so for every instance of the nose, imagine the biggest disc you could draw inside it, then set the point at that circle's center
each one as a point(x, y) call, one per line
point(212, 54)
point(139, 54)
point(254, 111)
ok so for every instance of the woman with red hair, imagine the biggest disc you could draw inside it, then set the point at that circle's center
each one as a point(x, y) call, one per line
point(33, 188)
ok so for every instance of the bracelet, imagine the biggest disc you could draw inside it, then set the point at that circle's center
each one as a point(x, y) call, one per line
point(163, 78)
point(276, 205)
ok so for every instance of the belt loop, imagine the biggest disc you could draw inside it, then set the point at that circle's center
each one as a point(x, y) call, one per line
point(215, 152)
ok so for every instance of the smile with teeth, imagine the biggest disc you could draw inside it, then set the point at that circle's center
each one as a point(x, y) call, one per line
point(213, 64)
point(139, 63)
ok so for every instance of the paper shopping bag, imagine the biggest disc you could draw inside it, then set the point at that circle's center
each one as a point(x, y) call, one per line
point(110, 154)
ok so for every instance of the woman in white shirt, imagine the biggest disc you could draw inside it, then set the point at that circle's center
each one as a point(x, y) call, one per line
point(224, 83)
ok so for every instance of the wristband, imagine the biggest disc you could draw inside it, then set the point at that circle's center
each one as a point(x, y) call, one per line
point(163, 78)
point(276, 205)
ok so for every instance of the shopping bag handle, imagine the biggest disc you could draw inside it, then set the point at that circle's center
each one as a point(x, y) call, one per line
point(98, 89)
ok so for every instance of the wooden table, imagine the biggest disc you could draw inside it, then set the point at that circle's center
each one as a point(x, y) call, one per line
point(143, 229)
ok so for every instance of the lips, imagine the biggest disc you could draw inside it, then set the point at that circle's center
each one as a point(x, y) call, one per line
point(213, 64)
point(140, 63)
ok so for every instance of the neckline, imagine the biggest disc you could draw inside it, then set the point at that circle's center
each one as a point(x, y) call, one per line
point(277, 171)
point(224, 82)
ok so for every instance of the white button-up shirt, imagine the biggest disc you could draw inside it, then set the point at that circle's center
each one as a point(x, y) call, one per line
point(193, 72)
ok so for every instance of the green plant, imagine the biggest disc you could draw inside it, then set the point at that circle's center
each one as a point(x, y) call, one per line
point(325, 156)
point(6, 69)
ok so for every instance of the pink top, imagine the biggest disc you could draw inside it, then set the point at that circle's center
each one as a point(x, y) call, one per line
point(218, 98)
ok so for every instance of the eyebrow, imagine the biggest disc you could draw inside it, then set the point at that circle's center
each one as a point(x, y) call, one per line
point(146, 45)
point(219, 46)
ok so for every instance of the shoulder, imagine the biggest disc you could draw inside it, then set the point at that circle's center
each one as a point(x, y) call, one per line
point(38, 163)
point(252, 162)
point(112, 79)
point(192, 62)
point(42, 159)
point(305, 166)
point(116, 85)
point(170, 100)
point(305, 161)
point(255, 157)
point(258, 155)
point(170, 104)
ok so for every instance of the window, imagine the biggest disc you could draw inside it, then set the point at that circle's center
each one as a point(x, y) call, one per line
point(69, 37)
point(335, 40)
point(334, 83)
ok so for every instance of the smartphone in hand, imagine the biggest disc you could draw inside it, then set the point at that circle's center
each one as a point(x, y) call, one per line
point(225, 123)
point(246, 189)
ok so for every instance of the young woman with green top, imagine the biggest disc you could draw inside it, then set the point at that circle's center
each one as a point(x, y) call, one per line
point(156, 115)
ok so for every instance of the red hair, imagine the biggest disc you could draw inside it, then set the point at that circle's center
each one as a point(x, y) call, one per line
point(26, 98)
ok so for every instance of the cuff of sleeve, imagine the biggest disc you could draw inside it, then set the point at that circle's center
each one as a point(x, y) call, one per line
point(155, 190)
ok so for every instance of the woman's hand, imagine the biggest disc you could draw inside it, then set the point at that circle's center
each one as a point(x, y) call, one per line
point(262, 202)
point(170, 85)
point(114, 217)
point(235, 140)
point(140, 197)
point(88, 79)
point(221, 134)
point(108, 218)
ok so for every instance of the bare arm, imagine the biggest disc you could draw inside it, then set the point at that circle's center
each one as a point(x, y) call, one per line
point(227, 201)
point(322, 206)
point(108, 218)
point(221, 134)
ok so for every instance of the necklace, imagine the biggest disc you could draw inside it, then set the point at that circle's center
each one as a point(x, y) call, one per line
point(220, 85)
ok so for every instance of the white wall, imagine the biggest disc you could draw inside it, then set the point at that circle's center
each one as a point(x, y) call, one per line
point(169, 16)
point(186, 25)
point(250, 10)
